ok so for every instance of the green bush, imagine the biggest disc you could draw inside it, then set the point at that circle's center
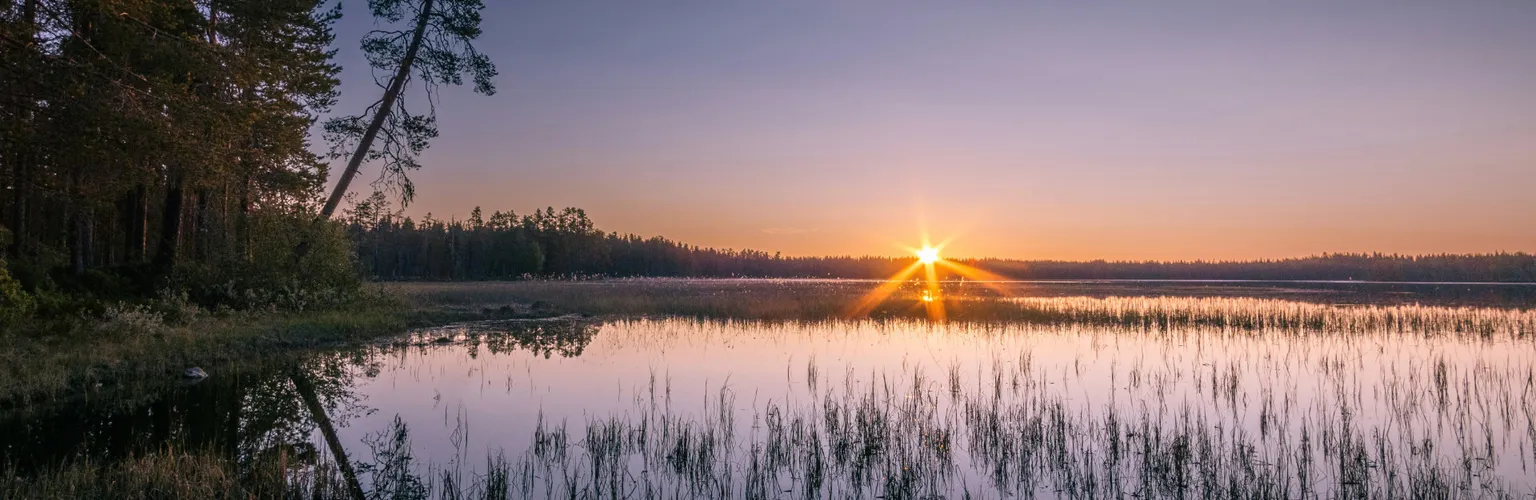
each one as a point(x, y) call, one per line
point(266, 276)
point(270, 277)
point(15, 304)
point(130, 321)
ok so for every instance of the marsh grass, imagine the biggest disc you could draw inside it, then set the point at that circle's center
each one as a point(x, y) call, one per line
point(133, 349)
point(164, 474)
point(1271, 314)
point(1221, 397)
point(141, 354)
point(755, 299)
point(1007, 433)
point(1253, 413)
point(811, 300)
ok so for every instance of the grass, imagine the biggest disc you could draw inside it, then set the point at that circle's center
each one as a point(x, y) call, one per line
point(1434, 422)
point(137, 350)
point(808, 300)
point(62, 360)
point(167, 474)
point(1433, 426)
point(1274, 315)
point(1285, 414)
point(711, 298)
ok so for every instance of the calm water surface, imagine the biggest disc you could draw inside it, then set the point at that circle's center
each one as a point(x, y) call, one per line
point(705, 408)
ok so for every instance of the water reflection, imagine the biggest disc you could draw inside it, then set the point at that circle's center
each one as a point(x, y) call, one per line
point(731, 408)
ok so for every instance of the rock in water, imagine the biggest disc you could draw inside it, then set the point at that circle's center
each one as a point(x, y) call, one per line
point(194, 373)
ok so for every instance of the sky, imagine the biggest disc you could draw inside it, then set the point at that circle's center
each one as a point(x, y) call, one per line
point(1033, 130)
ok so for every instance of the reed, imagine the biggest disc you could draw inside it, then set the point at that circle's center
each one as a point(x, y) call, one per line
point(1432, 423)
point(1208, 397)
point(810, 300)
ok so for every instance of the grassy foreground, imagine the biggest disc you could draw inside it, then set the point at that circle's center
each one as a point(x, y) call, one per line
point(849, 441)
point(168, 475)
point(124, 353)
point(135, 349)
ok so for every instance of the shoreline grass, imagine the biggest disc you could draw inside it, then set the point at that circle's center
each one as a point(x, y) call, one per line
point(132, 350)
point(1433, 426)
point(117, 354)
point(167, 474)
point(817, 301)
point(903, 437)
point(1001, 432)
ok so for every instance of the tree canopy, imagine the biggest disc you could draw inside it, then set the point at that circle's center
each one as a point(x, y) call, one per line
point(155, 134)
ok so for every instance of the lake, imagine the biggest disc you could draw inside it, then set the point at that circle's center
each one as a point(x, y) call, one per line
point(766, 389)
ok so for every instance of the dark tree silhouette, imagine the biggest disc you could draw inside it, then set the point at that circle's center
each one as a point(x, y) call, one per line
point(438, 51)
point(566, 243)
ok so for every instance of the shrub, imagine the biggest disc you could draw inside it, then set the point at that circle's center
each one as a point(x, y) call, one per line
point(270, 277)
point(15, 304)
point(124, 320)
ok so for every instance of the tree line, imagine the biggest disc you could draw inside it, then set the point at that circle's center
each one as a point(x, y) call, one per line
point(156, 131)
point(566, 243)
point(166, 144)
point(148, 145)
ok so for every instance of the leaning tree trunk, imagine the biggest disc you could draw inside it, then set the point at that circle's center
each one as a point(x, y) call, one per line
point(391, 94)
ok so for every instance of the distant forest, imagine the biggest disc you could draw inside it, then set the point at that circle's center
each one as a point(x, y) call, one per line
point(566, 243)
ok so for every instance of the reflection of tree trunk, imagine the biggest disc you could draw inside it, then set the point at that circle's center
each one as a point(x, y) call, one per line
point(317, 412)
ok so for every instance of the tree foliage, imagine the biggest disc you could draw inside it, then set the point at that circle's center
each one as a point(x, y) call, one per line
point(147, 137)
point(434, 47)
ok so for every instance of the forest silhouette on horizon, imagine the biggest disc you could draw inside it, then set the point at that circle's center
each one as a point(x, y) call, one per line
point(567, 243)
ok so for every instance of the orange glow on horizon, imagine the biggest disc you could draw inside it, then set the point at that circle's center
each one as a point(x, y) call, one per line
point(931, 298)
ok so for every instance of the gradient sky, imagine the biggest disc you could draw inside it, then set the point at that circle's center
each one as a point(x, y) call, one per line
point(1071, 130)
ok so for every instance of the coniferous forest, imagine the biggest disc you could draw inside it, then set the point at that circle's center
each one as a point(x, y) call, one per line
point(140, 138)
point(206, 257)
point(567, 244)
point(154, 145)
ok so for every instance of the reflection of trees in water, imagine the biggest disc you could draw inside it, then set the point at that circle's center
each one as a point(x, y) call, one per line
point(305, 385)
point(247, 415)
point(269, 412)
point(545, 338)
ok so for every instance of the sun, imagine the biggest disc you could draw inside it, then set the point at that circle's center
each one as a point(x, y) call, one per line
point(928, 255)
point(928, 267)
